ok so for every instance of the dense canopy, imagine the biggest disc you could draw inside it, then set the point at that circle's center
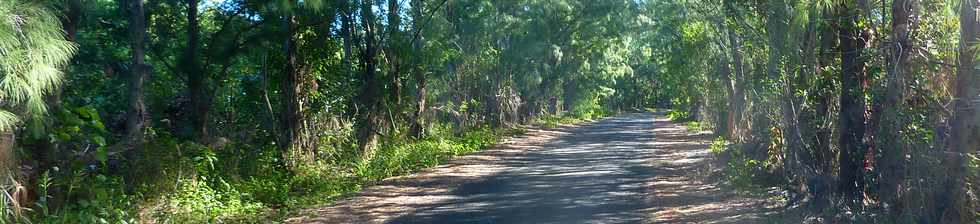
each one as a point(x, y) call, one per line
point(192, 111)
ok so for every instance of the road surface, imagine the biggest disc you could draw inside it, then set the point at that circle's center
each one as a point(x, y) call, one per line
point(634, 168)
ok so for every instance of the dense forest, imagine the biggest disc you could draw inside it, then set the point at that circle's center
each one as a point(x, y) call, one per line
point(189, 111)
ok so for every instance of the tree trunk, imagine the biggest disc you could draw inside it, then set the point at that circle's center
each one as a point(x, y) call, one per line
point(892, 163)
point(291, 92)
point(416, 123)
point(136, 114)
point(271, 121)
point(369, 96)
point(393, 52)
point(8, 155)
point(737, 98)
point(725, 126)
point(73, 15)
point(346, 29)
point(965, 123)
point(852, 106)
point(200, 105)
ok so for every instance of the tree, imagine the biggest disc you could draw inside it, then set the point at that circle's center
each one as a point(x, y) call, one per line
point(853, 41)
point(965, 123)
point(291, 91)
point(199, 106)
point(33, 49)
point(416, 122)
point(737, 84)
point(369, 97)
point(136, 109)
point(894, 147)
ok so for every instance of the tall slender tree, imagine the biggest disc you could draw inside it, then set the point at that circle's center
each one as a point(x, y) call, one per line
point(291, 92)
point(965, 123)
point(136, 109)
point(199, 107)
point(853, 41)
point(416, 122)
point(369, 97)
point(893, 147)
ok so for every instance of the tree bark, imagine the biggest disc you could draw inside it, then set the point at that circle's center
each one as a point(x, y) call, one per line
point(737, 106)
point(737, 98)
point(417, 123)
point(8, 155)
point(393, 52)
point(853, 41)
point(136, 113)
point(346, 29)
point(965, 123)
point(200, 105)
point(291, 91)
point(369, 121)
point(73, 15)
point(892, 164)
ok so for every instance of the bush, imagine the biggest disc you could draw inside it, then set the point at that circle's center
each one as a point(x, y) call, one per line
point(741, 171)
point(678, 115)
point(398, 159)
point(185, 182)
point(200, 202)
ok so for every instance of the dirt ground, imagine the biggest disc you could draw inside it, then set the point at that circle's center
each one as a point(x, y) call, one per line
point(634, 168)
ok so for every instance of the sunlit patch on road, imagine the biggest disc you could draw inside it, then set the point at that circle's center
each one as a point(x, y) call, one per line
point(629, 169)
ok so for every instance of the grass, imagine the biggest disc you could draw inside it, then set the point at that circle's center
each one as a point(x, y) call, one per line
point(553, 121)
point(697, 127)
point(182, 182)
point(402, 158)
point(410, 157)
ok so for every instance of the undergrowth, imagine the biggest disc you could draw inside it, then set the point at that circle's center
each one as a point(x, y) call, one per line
point(553, 121)
point(183, 182)
point(740, 170)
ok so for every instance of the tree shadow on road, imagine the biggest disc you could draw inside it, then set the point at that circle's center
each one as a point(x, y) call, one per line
point(629, 169)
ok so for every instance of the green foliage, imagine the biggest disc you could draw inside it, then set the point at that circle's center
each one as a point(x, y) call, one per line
point(591, 107)
point(204, 185)
point(101, 199)
point(678, 115)
point(200, 202)
point(741, 171)
point(553, 121)
point(32, 48)
point(399, 159)
point(697, 126)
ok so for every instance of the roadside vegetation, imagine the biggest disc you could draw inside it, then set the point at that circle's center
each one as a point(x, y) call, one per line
point(243, 111)
point(195, 111)
point(849, 111)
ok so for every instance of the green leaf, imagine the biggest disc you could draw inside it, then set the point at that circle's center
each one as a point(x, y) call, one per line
point(62, 136)
point(87, 112)
point(102, 155)
point(97, 124)
point(98, 140)
point(73, 121)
